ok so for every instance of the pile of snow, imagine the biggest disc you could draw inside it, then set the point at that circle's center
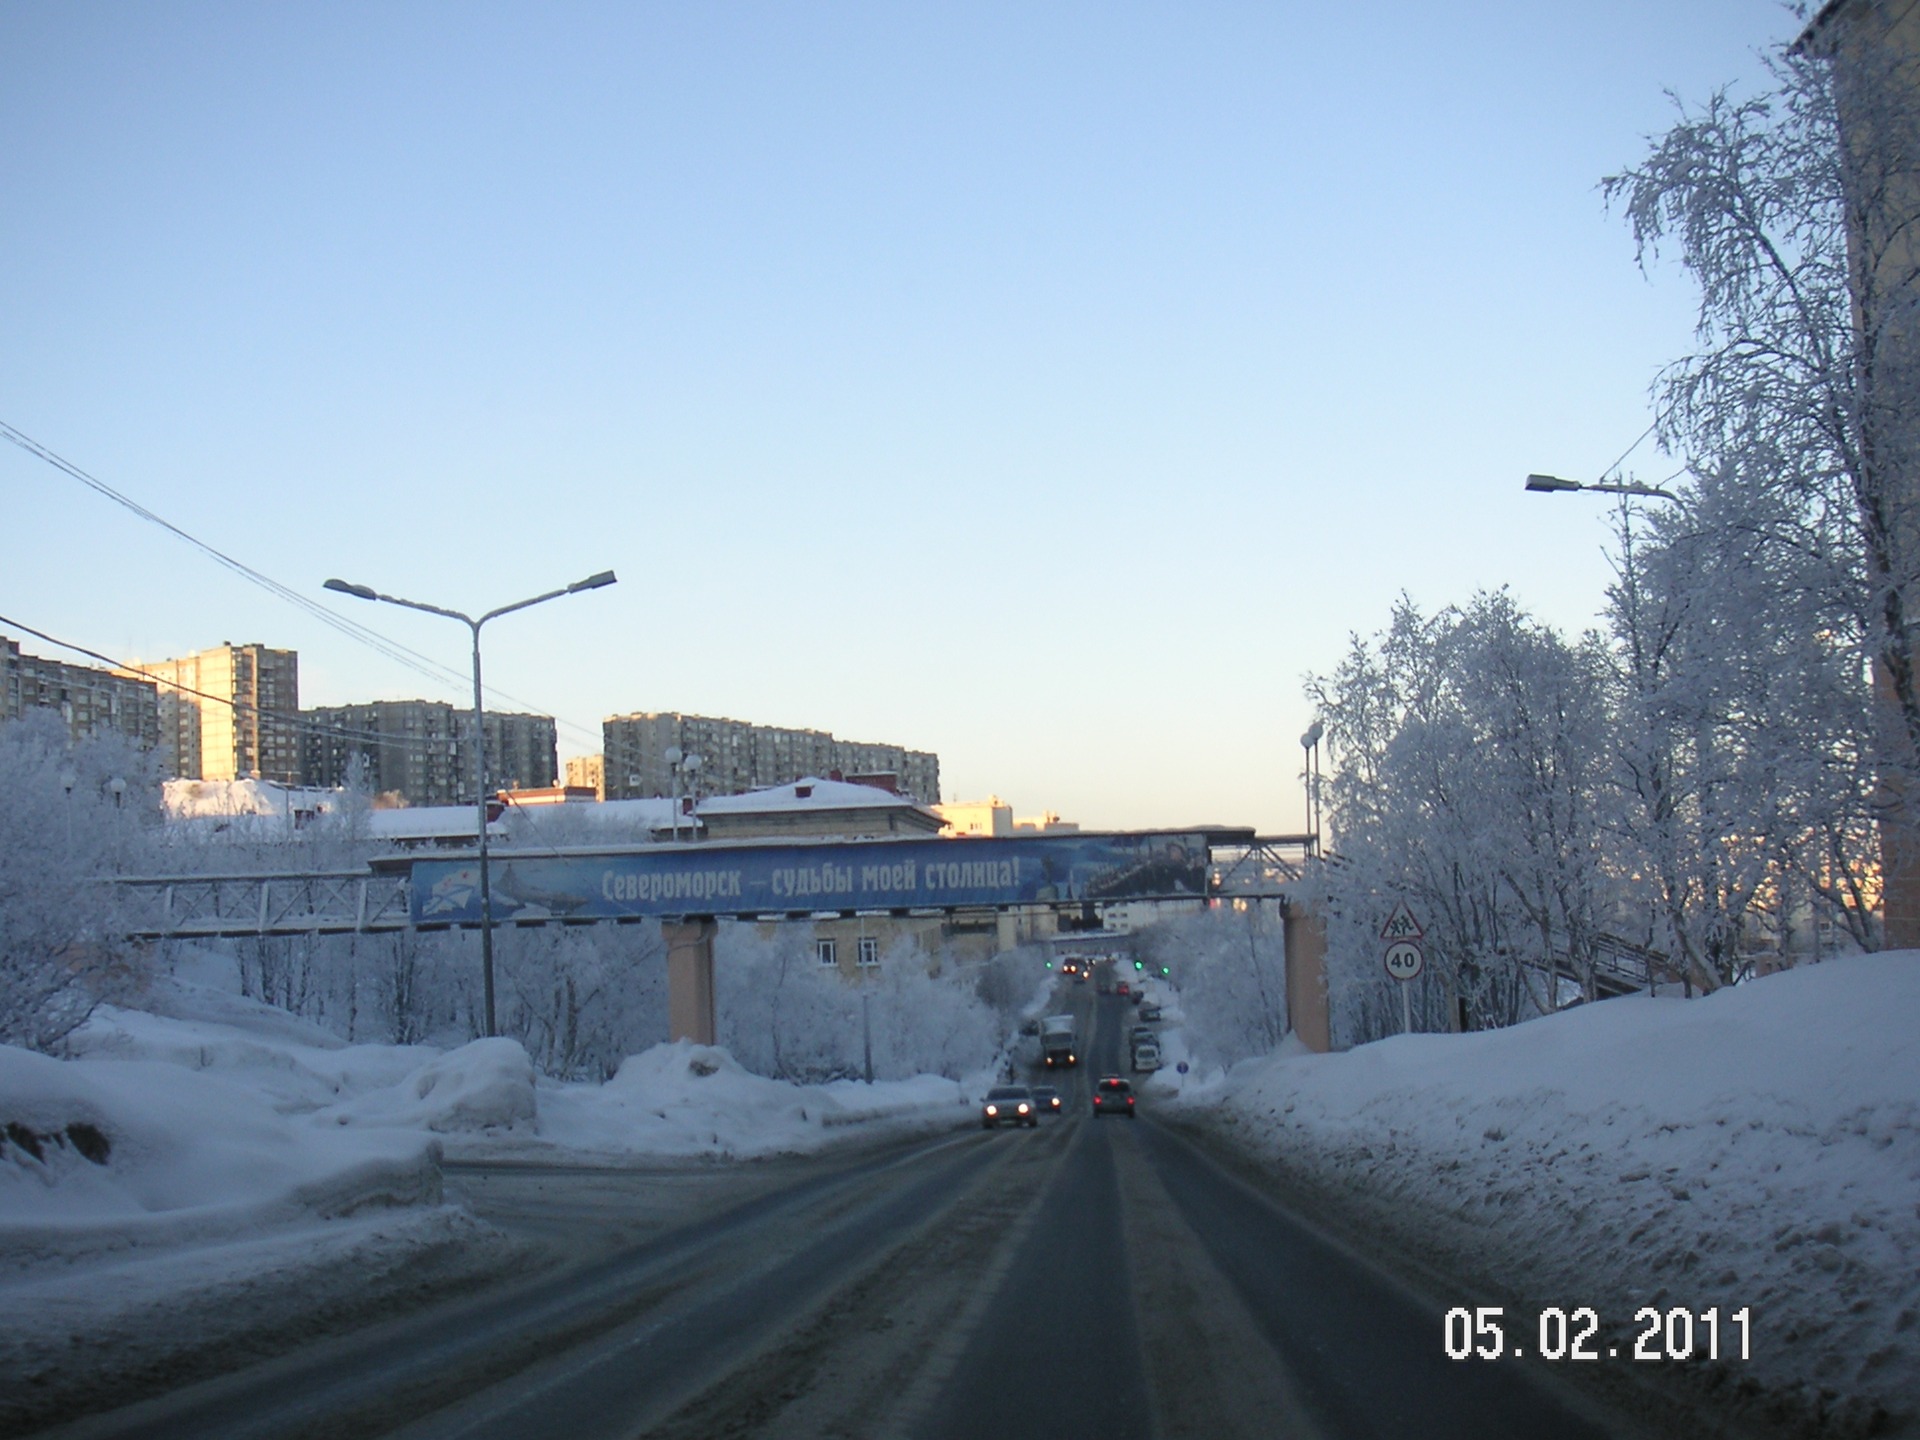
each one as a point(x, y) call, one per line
point(487, 1085)
point(101, 1156)
point(686, 1099)
point(1755, 1148)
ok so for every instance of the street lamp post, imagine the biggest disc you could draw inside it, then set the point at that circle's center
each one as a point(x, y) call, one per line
point(672, 756)
point(367, 592)
point(1310, 742)
point(1549, 484)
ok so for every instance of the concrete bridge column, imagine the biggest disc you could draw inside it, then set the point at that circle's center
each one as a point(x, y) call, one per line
point(690, 979)
point(1306, 942)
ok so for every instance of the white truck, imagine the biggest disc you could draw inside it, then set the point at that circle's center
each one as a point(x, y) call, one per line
point(1058, 1045)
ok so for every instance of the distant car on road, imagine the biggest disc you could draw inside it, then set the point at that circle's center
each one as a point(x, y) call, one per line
point(1046, 1099)
point(1149, 1011)
point(1008, 1105)
point(1146, 1057)
point(1113, 1096)
point(1142, 1032)
point(1122, 988)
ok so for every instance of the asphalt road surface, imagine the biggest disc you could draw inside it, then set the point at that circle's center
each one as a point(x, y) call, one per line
point(1095, 1277)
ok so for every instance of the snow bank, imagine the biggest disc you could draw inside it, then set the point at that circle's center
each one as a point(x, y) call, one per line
point(685, 1099)
point(1755, 1148)
point(487, 1085)
point(102, 1156)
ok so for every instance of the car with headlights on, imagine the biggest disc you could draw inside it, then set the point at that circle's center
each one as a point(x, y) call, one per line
point(1008, 1105)
point(1046, 1099)
point(1113, 1096)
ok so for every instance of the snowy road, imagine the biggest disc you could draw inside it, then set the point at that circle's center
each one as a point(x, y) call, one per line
point(1091, 1277)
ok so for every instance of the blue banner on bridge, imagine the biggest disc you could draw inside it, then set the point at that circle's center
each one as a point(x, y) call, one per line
point(721, 879)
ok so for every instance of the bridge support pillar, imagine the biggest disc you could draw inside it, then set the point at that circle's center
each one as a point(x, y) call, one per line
point(1306, 945)
point(690, 1014)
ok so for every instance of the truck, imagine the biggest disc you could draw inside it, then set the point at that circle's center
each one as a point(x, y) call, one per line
point(1057, 1043)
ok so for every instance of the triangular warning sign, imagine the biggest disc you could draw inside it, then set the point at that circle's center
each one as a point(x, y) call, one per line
point(1401, 925)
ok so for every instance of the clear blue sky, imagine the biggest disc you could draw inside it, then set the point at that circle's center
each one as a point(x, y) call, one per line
point(1050, 386)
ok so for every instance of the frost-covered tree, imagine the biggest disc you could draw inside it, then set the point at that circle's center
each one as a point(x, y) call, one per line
point(1468, 783)
point(784, 1014)
point(1798, 422)
point(1229, 967)
point(583, 998)
point(73, 816)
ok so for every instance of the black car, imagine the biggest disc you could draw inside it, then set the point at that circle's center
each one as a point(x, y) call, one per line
point(1008, 1105)
point(1149, 1011)
point(1046, 1099)
point(1113, 1096)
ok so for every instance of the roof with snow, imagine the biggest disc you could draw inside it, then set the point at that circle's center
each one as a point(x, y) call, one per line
point(810, 793)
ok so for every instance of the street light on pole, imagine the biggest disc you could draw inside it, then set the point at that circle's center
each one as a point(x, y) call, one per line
point(1548, 484)
point(1310, 742)
point(672, 756)
point(367, 592)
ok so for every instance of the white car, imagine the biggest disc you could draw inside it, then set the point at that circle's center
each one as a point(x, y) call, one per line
point(1146, 1057)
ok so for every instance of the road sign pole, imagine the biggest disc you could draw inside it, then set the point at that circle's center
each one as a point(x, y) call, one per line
point(1406, 1009)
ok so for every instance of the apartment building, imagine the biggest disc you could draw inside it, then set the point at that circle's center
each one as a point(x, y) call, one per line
point(89, 700)
point(588, 772)
point(229, 713)
point(421, 750)
point(737, 756)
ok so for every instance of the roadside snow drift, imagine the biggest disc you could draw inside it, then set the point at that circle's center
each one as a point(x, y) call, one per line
point(102, 1156)
point(687, 1099)
point(1753, 1148)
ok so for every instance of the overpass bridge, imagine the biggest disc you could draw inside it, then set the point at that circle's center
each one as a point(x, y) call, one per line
point(690, 887)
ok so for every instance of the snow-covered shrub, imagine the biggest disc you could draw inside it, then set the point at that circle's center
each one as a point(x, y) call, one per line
point(64, 828)
point(784, 1015)
point(582, 999)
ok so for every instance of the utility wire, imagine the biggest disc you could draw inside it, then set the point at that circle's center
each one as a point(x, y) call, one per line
point(414, 660)
point(279, 718)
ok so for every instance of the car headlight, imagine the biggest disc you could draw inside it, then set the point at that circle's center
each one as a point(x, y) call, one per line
point(993, 1109)
point(1023, 1109)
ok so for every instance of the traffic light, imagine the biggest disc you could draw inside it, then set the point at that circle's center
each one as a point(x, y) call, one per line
point(1139, 964)
point(1164, 972)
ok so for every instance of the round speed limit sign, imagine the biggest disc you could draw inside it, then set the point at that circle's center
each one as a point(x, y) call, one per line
point(1404, 960)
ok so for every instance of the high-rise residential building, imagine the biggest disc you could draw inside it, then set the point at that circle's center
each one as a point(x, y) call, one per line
point(229, 713)
point(421, 750)
point(522, 751)
point(89, 700)
point(415, 749)
point(737, 756)
point(588, 772)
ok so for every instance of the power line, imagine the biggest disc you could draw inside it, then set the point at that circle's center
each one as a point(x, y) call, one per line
point(290, 720)
point(414, 660)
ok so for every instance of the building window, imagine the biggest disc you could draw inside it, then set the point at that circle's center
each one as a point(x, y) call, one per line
point(824, 952)
point(869, 950)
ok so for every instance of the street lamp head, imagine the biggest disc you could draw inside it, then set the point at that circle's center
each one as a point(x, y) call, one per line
point(592, 582)
point(1312, 737)
point(672, 755)
point(1547, 484)
point(364, 592)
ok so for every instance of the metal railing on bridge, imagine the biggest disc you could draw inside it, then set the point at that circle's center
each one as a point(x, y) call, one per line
point(339, 902)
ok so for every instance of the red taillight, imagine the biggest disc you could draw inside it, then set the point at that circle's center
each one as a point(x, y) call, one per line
point(1129, 1099)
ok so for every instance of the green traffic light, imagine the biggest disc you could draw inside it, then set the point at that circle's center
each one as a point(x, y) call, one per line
point(1139, 964)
